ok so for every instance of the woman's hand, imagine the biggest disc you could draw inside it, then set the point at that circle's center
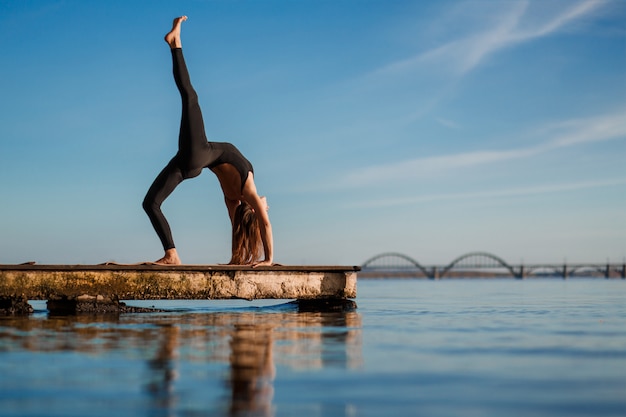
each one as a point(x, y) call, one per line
point(262, 263)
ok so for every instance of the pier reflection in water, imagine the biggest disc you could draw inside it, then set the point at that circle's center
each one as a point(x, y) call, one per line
point(170, 363)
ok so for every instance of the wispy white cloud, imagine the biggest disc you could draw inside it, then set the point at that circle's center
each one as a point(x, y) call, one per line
point(559, 21)
point(561, 135)
point(508, 192)
point(460, 56)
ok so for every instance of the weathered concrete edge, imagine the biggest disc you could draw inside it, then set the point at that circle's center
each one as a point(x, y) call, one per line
point(169, 268)
point(157, 282)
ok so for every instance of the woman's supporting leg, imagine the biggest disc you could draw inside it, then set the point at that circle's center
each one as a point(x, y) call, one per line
point(160, 189)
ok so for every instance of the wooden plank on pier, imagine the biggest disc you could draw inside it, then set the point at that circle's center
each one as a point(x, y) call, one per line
point(151, 282)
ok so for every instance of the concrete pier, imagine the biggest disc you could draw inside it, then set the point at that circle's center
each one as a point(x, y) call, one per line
point(152, 282)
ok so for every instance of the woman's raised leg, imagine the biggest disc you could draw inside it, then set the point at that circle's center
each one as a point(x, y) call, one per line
point(192, 139)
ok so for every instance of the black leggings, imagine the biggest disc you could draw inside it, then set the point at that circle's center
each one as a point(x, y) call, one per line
point(194, 152)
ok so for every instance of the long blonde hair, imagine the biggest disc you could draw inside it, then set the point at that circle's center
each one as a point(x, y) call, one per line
point(247, 244)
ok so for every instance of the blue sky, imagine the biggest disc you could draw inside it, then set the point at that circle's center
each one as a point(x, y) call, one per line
point(431, 128)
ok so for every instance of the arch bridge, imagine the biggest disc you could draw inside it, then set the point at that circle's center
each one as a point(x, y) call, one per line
point(480, 264)
point(394, 262)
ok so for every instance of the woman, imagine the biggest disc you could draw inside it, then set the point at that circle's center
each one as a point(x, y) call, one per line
point(252, 231)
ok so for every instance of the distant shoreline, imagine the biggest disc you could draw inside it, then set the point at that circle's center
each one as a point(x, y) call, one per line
point(476, 275)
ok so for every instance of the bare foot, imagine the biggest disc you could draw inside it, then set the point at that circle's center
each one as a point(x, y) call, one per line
point(170, 258)
point(173, 36)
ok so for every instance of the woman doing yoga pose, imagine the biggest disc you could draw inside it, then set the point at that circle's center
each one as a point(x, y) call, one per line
point(251, 228)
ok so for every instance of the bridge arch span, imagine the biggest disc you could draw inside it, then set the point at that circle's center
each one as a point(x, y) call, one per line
point(391, 255)
point(479, 256)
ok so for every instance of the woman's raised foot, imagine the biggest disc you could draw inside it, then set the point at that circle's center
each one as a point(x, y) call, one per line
point(173, 36)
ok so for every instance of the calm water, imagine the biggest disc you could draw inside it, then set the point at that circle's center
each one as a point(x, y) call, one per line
point(413, 348)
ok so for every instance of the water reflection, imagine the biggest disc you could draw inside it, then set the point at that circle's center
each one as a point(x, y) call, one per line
point(248, 346)
point(163, 369)
point(252, 370)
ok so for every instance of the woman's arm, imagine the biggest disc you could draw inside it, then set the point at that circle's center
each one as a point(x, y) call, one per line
point(259, 204)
